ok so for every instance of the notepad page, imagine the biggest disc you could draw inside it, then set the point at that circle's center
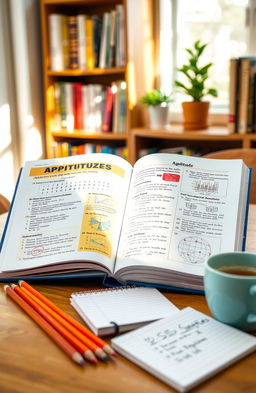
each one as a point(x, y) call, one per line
point(186, 348)
point(122, 306)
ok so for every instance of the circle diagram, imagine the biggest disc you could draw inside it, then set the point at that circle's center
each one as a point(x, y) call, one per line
point(194, 249)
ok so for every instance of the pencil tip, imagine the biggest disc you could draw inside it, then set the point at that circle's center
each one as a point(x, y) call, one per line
point(5, 287)
point(101, 354)
point(13, 285)
point(107, 348)
point(90, 356)
point(78, 359)
point(20, 282)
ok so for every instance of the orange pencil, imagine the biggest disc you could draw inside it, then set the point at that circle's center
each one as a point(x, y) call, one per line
point(61, 329)
point(60, 340)
point(90, 344)
point(102, 344)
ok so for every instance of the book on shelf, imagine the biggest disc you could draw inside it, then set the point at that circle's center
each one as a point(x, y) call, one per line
point(121, 309)
point(76, 106)
point(86, 42)
point(96, 215)
point(241, 95)
point(64, 149)
point(185, 349)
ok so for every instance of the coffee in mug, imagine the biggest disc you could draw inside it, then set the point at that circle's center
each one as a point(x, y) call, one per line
point(239, 270)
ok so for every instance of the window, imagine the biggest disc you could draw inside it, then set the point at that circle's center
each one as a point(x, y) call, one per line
point(226, 25)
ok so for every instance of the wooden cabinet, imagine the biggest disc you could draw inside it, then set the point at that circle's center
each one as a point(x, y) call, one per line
point(213, 139)
point(103, 76)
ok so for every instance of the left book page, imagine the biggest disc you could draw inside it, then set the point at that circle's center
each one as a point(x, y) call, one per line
point(66, 216)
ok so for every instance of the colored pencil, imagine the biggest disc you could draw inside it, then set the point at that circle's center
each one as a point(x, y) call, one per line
point(102, 344)
point(90, 344)
point(81, 347)
point(57, 338)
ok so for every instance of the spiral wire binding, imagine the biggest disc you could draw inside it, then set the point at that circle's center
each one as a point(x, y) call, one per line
point(100, 290)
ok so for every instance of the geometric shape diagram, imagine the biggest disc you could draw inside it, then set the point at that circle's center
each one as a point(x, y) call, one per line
point(194, 249)
point(100, 225)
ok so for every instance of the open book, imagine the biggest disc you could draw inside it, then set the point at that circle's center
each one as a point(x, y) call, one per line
point(154, 223)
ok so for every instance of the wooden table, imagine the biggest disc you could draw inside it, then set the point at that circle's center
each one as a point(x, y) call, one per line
point(31, 362)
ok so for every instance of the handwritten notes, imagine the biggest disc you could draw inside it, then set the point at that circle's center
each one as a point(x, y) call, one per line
point(185, 348)
point(173, 343)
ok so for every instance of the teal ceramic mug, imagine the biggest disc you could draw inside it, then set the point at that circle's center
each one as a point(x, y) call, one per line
point(230, 288)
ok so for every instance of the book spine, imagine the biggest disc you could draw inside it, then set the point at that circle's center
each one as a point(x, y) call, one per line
point(244, 96)
point(86, 108)
point(57, 106)
point(122, 108)
point(73, 44)
point(55, 35)
point(103, 41)
point(63, 109)
point(107, 120)
point(89, 44)
point(232, 95)
point(97, 25)
point(81, 41)
point(65, 41)
point(112, 44)
point(251, 101)
point(50, 107)
point(115, 128)
point(120, 37)
point(78, 106)
point(69, 99)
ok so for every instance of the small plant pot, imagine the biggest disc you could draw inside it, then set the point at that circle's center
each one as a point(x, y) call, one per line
point(195, 115)
point(158, 116)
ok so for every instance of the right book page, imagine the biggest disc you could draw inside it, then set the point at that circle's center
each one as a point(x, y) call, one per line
point(181, 210)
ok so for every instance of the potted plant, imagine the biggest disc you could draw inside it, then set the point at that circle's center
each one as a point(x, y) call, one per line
point(195, 112)
point(158, 107)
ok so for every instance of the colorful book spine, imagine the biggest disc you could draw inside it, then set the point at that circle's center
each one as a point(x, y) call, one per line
point(107, 120)
point(78, 105)
point(89, 44)
point(73, 42)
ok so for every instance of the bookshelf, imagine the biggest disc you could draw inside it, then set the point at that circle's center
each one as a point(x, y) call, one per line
point(57, 77)
point(212, 139)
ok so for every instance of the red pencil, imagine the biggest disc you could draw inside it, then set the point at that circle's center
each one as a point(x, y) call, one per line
point(83, 349)
point(60, 340)
point(102, 344)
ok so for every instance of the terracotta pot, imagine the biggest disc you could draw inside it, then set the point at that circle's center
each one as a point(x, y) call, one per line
point(195, 115)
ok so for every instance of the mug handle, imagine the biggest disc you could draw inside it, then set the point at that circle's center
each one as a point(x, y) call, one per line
point(251, 318)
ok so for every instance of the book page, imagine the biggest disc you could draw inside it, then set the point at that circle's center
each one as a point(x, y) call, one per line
point(180, 210)
point(67, 209)
point(185, 348)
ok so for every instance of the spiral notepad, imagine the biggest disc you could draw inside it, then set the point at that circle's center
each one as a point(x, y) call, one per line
point(117, 310)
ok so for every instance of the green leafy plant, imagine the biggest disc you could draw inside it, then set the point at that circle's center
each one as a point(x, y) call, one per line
point(196, 75)
point(156, 98)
